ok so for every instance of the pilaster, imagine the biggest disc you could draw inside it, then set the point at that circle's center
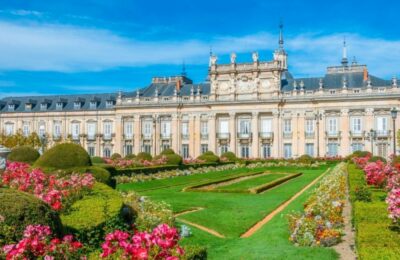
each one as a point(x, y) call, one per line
point(344, 127)
point(255, 138)
point(212, 133)
point(232, 130)
point(137, 134)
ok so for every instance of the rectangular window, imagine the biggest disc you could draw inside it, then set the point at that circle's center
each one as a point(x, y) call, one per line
point(147, 128)
point(244, 126)
point(309, 126)
point(382, 124)
point(332, 126)
point(59, 106)
point(75, 130)
point(223, 149)
point(42, 130)
point(25, 129)
point(91, 131)
point(310, 149)
point(382, 149)
point(93, 105)
point(287, 148)
point(146, 148)
point(107, 130)
point(266, 150)
point(204, 127)
point(43, 106)
point(356, 125)
point(109, 104)
point(287, 125)
point(166, 129)
point(224, 126)
point(185, 151)
point(245, 151)
point(185, 130)
point(77, 105)
point(92, 151)
point(11, 107)
point(266, 125)
point(356, 147)
point(332, 149)
point(128, 130)
point(204, 148)
point(128, 149)
point(57, 129)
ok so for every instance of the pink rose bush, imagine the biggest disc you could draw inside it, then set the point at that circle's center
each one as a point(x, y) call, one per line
point(376, 173)
point(37, 242)
point(161, 243)
point(121, 163)
point(191, 160)
point(393, 201)
point(52, 190)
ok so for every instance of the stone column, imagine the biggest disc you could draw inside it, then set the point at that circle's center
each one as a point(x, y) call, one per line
point(276, 144)
point(197, 136)
point(232, 130)
point(137, 134)
point(295, 134)
point(344, 128)
point(255, 138)
point(192, 134)
point(174, 133)
point(322, 136)
point(118, 135)
point(301, 142)
point(212, 133)
point(369, 123)
point(156, 135)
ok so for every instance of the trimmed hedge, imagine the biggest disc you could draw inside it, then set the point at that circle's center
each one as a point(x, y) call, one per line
point(115, 156)
point(64, 156)
point(209, 157)
point(24, 154)
point(374, 237)
point(273, 184)
point(194, 252)
point(21, 209)
point(167, 151)
point(230, 156)
point(88, 216)
point(306, 159)
point(144, 156)
point(97, 160)
point(99, 173)
point(130, 156)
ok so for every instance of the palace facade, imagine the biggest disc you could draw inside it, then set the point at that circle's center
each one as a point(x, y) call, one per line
point(255, 109)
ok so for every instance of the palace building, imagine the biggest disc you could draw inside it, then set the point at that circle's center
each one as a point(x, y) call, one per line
point(255, 109)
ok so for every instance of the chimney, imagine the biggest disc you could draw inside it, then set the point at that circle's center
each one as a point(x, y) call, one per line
point(365, 76)
point(178, 85)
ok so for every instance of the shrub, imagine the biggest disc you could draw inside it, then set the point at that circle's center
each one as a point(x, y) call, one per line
point(97, 160)
point(130, 156)
point(229, 156)
point(144, 156)
point(99, 173)
point(306, 159)
point(362, 193)
point(172, 159)
point(64, 156)
point(20, 209)
point(168, 151)
point(377, 158)
point(88, 217)
point(115, 156)
point(194, 252)
point(208, 157)
point(24, 154)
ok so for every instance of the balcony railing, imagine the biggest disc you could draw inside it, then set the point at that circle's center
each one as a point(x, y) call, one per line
point(223, 135)
point(91, 137)
point(147, 136)
point(185, 136)
point(335, 134)
point(266, 135)
point(128, 136)
point(357, 134)
point(57, 137)
point(107, 137)
point(76, 137)
point(165, 136)
point(287, 134)
point(383, 133)
point(309, 135)
point(244, 135)
point(204, 136)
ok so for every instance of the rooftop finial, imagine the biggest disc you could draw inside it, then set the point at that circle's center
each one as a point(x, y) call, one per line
point(344, 56)
point(281, 35)
point(183, 73)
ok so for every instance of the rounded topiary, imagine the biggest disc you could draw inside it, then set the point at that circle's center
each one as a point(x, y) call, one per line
point(209, 157)
point(306, 159)
point(24, 153)
point(116, 156)
point(100, 174)
point(63, 156)
point(20, 209)
point(172, 159)
point(168, 151)
point(377, 158)
point(144, 156)
point(97, 159)
point(130, 156)
point(229, 156)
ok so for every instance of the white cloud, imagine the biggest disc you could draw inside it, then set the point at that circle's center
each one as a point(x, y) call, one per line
point(50, 47)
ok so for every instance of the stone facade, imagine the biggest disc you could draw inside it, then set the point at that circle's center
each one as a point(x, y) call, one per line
point(254, 109)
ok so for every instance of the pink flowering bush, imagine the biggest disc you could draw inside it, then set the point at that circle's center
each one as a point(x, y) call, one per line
point(37, 242)
point(393, 201)
point(132, 163)
point(191, 160)
point(161, 243)
point(52, 190)
point(376, 173)
point(361, 162)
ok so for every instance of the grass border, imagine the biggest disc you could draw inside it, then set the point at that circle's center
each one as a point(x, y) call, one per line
point(274, 183)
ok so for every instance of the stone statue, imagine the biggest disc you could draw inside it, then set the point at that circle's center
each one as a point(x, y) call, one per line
point(233, 57)
point(255, 56)
point(213, 60)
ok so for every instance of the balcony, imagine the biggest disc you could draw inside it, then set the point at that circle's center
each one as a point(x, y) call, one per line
point(223, 136)
point(185, 136)
point(287, 135)
point(147, 136)
point(57, 137)
point(204, 136)
point(335, 134)
point(357, 134)
point(75, 137)
point(383, 133)
point(266, 135)
point(309, 135)
point(244, 135)
point(107, 137)
point(165, 136)
point(128, 136)
point(91, 137)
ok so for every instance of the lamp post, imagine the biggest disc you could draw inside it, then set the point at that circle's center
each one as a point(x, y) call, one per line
point(372, 136)
point(317, 117)
point(393, 113)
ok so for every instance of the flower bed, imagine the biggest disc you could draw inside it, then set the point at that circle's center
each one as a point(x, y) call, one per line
point(120, 163)
point(321, 223)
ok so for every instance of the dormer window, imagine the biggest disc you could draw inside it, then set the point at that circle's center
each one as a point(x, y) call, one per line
point(28, 107)
point(43, 106)
point(109, 104)
point(93, 104)
point(77, 105)
point(11, 107)
point(59, 105)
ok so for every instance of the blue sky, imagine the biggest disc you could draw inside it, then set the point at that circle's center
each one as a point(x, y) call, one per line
point(49, 47)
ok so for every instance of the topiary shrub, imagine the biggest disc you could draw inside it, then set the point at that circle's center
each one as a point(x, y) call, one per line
point(172, 159)
point(228, 156)
point(144, 156)
point(64, 156)
point(168, 151)
point(24, 153)
point(20, 209)
point(306, 159)
point(208, 157)
point(130, 156)
point(377, 158)
point(97, 160)
point(115, 156)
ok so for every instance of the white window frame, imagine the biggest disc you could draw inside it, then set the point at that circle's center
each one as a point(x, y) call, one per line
point(287, 126)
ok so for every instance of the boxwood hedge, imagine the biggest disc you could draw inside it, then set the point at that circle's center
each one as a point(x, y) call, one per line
point(24, 153)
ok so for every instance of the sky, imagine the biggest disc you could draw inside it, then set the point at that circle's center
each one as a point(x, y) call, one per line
point(97, 46)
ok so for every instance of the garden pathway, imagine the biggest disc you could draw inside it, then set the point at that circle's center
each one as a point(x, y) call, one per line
point(347, 246)
point(267, 218)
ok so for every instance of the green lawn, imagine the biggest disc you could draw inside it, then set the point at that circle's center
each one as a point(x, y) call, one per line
point(253, 182)
point(231, 214)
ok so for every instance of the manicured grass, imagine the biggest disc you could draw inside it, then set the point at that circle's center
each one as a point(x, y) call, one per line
point(374, 237)
point(253, 182)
